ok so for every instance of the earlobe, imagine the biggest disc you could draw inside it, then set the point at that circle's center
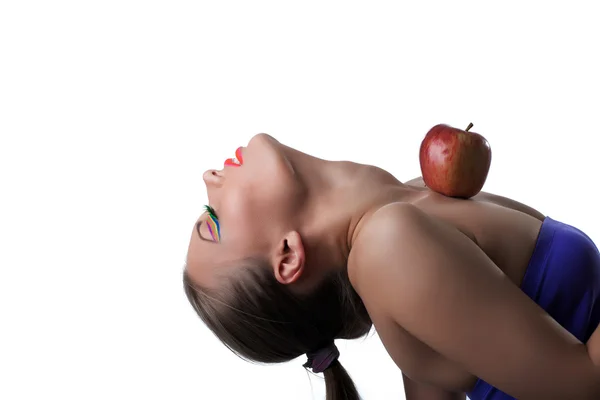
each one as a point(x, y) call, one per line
point(289, 259)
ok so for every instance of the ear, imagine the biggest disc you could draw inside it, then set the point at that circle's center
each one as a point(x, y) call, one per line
point(288, 262)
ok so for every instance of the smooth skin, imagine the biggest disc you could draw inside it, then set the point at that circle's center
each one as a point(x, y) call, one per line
point(439, 276)
point(446, 292)
point(419, 391)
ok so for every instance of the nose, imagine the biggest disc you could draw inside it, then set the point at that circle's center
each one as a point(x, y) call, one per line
point(212, 177)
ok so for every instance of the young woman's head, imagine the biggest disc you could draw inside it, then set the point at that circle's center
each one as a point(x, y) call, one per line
point(263, 273)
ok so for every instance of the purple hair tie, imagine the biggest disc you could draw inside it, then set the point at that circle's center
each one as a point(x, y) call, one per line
point(322, 359)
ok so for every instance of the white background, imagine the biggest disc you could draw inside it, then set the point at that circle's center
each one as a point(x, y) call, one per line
point(111, 110)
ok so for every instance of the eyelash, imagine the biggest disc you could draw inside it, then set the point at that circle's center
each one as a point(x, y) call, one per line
point(213, 224)
point(211, 212)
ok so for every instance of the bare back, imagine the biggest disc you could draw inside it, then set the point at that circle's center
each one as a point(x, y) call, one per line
point(506, 231)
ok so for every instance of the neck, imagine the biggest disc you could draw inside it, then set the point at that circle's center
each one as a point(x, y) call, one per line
point(337, 196)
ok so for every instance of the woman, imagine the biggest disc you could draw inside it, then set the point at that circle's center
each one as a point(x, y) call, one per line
point(483, 296)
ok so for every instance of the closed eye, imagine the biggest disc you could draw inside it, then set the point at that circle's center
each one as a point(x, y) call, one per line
point(212, 223)
point(211, 211)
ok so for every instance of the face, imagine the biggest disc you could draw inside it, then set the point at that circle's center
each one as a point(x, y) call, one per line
point(252, 201)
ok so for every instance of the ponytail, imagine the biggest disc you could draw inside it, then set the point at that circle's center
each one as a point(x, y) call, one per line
point(261, 320)
point(338, 384)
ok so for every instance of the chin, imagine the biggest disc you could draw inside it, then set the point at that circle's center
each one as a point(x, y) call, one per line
point(262, 137)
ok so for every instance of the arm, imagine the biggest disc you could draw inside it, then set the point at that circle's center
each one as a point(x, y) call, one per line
point(418, 391)
point(446, 292)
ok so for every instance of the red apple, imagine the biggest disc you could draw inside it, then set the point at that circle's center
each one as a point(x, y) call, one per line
point(455, 162)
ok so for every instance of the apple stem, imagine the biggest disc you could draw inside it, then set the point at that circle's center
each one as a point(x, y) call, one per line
point(469, 127)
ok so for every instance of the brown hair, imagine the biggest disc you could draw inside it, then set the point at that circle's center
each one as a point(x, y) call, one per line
point(262, 321)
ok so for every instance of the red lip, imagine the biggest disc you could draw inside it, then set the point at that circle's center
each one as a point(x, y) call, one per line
point(238, 155)
point(229, 163)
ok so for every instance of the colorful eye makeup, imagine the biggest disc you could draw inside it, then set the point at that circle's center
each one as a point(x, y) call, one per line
point(213, 224)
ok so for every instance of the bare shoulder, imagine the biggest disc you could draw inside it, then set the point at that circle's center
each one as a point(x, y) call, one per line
point(387, 231)
point(389, 245)
point(416, 182)
point(438, 285)
point(491, 198)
